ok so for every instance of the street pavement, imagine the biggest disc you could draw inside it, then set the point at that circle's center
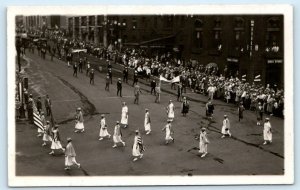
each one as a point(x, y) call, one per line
point(243, 154)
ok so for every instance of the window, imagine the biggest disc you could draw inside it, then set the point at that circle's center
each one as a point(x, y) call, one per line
point(134, 23)
point(198, 34)
point(273, 36)
point(239, 30)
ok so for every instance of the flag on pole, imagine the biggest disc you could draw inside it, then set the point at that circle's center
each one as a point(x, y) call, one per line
point(79, 50)
point(176, 79)
point(161, 78)
point(36, 118)
point(257, 80)
point(258, 76)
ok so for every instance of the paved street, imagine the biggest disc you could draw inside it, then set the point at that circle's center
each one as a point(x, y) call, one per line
point(243, 154)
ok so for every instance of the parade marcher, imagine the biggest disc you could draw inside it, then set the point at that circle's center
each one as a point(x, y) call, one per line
point(107, 80)
point(211, 91)
point(209, 109)
point(153, 85)
point(185, 106)
point(30, 109)
point(147, 122)
point(48, 105)
point(169, 132)
point(39, 105)
point(267, 131)
point(69, 59)
point(92, 76)
point(179, 92)
point(79, 126)
point(241, 110)
point(138, 147)
point(137, 92)
point(103, 129)
point(70, 155)
point(135, 78)
point(226, 127)
point(157, 94)
point(125, 75)
point(124, 116)
point(56, 145)
point(203, 142)
point(47, 134)
point(88, 68)
point(117, 135)
point(43, 120)
point(80, 64)
point(259, 113)
point(171, 111)
point(119, 87)
point(75, 67)
point(110, 75)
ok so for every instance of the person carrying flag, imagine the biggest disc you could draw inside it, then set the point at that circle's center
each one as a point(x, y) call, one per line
point(79, 121)
point(55, 145)
point(138, 147)
point(47, 134)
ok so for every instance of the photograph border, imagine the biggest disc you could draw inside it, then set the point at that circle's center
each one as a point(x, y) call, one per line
point(219, 9)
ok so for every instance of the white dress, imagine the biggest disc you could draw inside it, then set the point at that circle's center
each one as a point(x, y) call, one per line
point(171, 113)
point(117, 135)
point(103, 129)
point(168, 132)
point(136, 147)
point(226, 125)
point(79, 124)
point(267, 132)
point(43, 121)
point(55, 141)
point(203, 142)
point(46, 136)
point(147, 124)
point(124, 116)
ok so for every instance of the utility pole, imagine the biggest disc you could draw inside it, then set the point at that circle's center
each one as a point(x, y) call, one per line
point(105, 31)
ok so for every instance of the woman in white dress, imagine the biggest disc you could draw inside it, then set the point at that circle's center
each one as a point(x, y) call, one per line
point(267, 131)
point(47, 134)
point(226, 127)
point(124, 115)
point(169, 132)
point(117, 135)
point(203, 142)
point(171, 111)
point(147, 122)
point(137, 147)
point(70, 155)
point(103, 129)
point(79, 121)
point(55, 145)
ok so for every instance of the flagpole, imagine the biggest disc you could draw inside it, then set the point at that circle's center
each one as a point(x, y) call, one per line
point(52, 118)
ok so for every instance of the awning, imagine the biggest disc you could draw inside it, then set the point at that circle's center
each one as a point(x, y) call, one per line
point(158, 39)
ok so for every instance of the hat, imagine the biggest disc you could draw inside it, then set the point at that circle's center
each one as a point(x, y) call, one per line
point(102, 115)
point(147, 109)
point(47, 121)
point(203, 129)
point(56, 126)
point(136, 131)
point(225, 116)
point(42, 113)
point(267, 119)
point(69, 139)
point(119, 78)
point(169, 120)
point(79, 108)
point(118, 122)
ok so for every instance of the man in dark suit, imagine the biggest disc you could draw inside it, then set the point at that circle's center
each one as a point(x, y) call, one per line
point(153, 85)
point(39, 105)
point(92, 76)
point(80, 65)
point(135, 78)
point(107, 80)
point(119, 87)
point(75, 67)
point(125, 75)
point(110, 75)
point(48, 105)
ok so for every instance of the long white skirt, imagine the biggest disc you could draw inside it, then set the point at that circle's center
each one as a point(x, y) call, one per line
point(40, 130)
point(135, 150)
point(224, 131)
point(202, 147)
point(147, 126)
point(168, 135)
point(47, 137)
point(117, 139)
point(124, 119)
point(70, 161)
point(103, 132)
point(267, 136)
point(171, 115)
point(79, 126)
point(56, 145)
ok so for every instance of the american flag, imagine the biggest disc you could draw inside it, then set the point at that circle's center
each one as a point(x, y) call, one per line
point(141, 144)
point(36, 117)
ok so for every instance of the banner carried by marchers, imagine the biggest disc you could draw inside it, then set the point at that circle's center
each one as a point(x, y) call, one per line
point(79, 50)
point(176, 79)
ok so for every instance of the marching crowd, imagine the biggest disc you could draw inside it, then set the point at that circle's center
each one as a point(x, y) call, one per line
point(205, 80)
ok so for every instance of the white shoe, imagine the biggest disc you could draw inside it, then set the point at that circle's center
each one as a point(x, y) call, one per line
point(44, 144)
point(203, 155)
point(109, 136)
point(76, 131)
point(100, 139)
point(114, 146)
point(141, 156)
point(82, 130)
point(223, 136)
point(148, 133)
point(123, 143)
point(135, 159)
point(265, 143)
point(78, 165)
point(51, 152)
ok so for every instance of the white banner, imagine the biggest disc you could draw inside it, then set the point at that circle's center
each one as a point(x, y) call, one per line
point(79, 50)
